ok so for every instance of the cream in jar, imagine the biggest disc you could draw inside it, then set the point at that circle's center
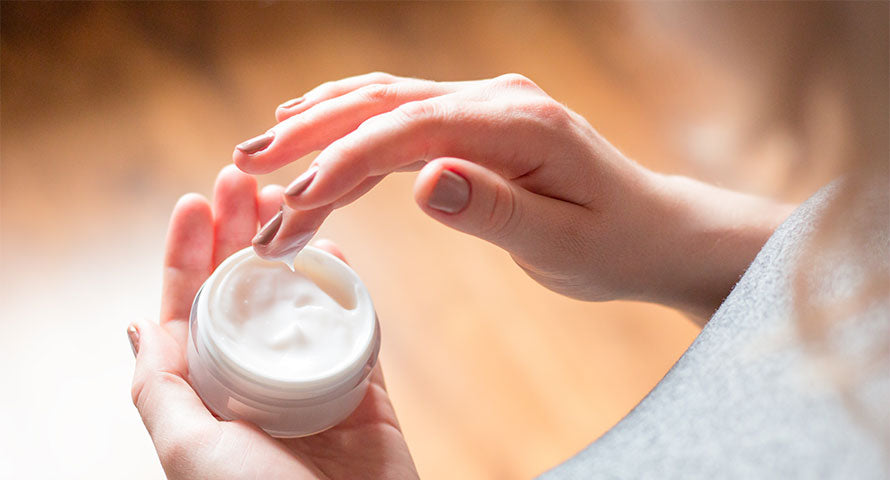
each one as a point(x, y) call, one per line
point(288, 350)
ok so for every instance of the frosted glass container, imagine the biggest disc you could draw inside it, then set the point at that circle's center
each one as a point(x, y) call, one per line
point(292, 366)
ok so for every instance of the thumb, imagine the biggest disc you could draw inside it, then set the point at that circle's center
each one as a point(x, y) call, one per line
point(475, 200)
point(169, 407)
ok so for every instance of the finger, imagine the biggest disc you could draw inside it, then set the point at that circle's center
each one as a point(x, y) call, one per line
point(188, 261)
point(282, 238)
point(170, 408)
point(329, 90)
point(234, 212)
point(334, 89)
point(358, 191)
point(331, 248)
point(475, 200)
point(444, 126)
point(328, 121)
point(287, 233)
point(269, 202)
point(369, 183)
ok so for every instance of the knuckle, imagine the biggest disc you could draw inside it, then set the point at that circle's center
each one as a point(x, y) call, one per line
point(380, 77)
point(550, 110)
point(410, 114)
point(516, 80)
point(503, 215)
point(324, 89)
point(377, 92)
point(418, 109)
point(351, 149)
point(419, 113)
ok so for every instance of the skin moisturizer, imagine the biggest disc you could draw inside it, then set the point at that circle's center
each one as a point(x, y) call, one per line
point(288, 350)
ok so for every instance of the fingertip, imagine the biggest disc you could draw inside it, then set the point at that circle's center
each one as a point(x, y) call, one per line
point(426, 180)
point(240, 160)
point(144, 340)
point(232, 191)
point(133, 337)
point(288, 108)
point(229, 170)
point(191, 205)
point(297, 202)
point(282, 113)
point(146, 331)
point(190, 229)
point(269, 202)
point(231, 177)
point(249, 164)
point(272, 190)
point(291, 201)
point(322, 184)
point(160, 389)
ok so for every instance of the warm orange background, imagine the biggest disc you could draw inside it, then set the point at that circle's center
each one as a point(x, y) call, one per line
point(111, 111)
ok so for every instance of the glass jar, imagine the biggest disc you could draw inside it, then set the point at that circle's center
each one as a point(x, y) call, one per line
point(221, 372)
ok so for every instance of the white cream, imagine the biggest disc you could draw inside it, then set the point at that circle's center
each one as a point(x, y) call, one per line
point(283, 324)
point(290, 350)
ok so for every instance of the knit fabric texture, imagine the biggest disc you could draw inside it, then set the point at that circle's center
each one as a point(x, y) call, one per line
point(748, 399)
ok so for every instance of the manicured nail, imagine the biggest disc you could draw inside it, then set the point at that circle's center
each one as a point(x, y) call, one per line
point(301, 183)
point(451, 193)
point(257, 143)
point(292, 102)
point(133, 336)
point(267, 233)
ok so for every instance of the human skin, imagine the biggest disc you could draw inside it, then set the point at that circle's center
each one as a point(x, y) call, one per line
point(190, 441)
point(521, 171)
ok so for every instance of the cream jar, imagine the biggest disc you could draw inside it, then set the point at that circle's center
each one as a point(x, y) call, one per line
point(289, 350)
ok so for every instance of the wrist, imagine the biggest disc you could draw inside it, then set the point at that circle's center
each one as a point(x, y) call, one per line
point(707, 237)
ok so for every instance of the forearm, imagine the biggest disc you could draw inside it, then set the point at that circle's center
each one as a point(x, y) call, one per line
point(708, 236)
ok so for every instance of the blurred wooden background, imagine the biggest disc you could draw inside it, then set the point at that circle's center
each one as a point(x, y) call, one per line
point(111, 111)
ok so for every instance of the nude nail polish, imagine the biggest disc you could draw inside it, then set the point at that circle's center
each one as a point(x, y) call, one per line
point(267, 233)
point(133, 337)
point(292, 102)
point(256, 144)
point(301, 183)
point(451, 193)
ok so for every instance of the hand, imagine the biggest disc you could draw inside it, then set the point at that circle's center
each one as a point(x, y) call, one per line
point(190, 441)
point(501, 160)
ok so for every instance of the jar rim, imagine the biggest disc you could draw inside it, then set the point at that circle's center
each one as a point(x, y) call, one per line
point(227, 363)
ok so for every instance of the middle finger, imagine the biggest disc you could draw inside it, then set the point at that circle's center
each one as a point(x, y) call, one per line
point(234, 212)
point(321, 125)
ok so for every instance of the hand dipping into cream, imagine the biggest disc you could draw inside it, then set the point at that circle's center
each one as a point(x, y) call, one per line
point(290, 351)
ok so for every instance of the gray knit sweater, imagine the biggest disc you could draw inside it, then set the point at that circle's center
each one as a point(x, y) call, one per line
point(747, 400)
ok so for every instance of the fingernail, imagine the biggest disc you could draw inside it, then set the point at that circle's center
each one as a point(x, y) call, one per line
point(292, 102)
point(133, 336)
point(257, 143)
point(451, 193)
point(267, 233)
point(301, 183)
